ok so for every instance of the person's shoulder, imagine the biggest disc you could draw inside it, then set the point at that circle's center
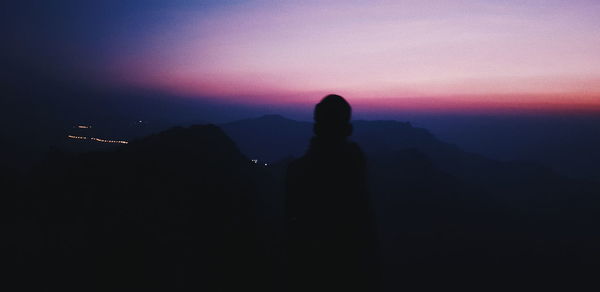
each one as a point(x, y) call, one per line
point(354, 148)
point(355, 154)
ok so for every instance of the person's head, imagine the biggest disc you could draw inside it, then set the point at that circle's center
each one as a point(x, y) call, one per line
point(332, 117)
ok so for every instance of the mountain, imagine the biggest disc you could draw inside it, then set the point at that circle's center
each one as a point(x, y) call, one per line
point(568, 143)
point(186, 208)
point(270, 138)
point(398, 148)
point(443, 211)
point(173, 210)
point(273, 137)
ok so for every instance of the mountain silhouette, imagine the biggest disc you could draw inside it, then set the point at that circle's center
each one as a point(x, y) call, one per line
point(172, 210)
point(187, 209)
point(270, 138)
point(273, 137)
point(447, 212)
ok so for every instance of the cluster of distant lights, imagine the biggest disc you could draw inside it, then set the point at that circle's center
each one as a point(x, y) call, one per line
point(255, 161)
point(97, 139)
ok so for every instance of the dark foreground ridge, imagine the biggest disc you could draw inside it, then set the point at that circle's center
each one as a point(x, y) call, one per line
point(186, 210)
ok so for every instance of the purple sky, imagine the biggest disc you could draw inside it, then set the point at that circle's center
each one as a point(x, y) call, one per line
point(462, 55)
point(482, 53)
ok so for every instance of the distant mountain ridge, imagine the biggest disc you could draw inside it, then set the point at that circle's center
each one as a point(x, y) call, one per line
point(190, 200)
point(272, 138)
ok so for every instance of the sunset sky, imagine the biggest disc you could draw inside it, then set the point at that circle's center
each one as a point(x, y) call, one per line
point(427, 55)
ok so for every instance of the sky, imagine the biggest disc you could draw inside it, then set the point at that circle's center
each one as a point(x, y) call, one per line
point(428, 56)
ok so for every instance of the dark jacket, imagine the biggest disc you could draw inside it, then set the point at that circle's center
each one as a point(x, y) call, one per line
point(331, 238)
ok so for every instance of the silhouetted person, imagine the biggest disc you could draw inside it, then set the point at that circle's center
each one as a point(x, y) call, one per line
point(331, 243)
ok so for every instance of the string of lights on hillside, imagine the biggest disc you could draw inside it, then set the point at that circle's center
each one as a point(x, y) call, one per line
point(97, 139)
